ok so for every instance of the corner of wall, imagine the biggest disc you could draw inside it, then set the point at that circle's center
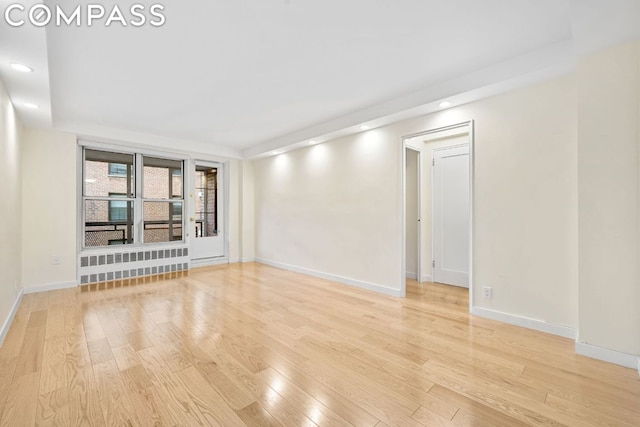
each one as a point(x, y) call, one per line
point(11, 153)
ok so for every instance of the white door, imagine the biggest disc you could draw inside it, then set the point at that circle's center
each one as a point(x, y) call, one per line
point(451, 215)
point(206, 197)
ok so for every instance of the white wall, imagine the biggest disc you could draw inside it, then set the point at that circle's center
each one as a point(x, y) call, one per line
point(49, 200)
point(334, 207)
point(411, 212)
point(10, 207)
point(609, 195)
point(247, 217)
point(235, 209)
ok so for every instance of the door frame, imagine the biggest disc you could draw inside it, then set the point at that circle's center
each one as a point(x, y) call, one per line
point(471, 138)
point(224, 194)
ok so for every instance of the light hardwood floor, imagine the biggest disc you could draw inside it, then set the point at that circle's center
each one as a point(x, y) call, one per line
point(253, 345)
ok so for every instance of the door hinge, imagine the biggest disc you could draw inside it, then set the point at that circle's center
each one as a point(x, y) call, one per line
point(433, 162)
point(433, 263)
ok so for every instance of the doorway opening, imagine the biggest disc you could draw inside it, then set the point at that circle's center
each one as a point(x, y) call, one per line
point(438, 208)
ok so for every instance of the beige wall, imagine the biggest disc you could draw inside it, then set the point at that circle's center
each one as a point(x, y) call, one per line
point(235, 209)
point(49, 200)
point(10, 207)
point(609, 187)
point(247, 217)
point(334, 207)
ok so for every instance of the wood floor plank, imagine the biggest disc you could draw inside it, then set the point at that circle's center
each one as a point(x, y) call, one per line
point(171, 389)
point(32, 350)
point(53, 375)
point(82, 390)
point(429, 418)
point(53, 408)
point(255, 415)
point(22, 401)
point(208, 400)
point(99, 351)
point(117, 408)
point(315, 410)
point(7, 368)
point(150, 409)
point(248, 344)
point(125, 357)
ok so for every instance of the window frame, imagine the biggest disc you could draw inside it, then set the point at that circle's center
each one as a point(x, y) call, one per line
point(136, 197)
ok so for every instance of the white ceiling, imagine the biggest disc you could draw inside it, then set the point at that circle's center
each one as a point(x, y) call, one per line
point(246, 77)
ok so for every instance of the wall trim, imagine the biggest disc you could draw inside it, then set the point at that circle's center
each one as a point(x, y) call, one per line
point(410, 275)
point(426, 278)
point(241, 260)
point(526, 322)
point(606, 355)
point(49, 287)
point(207, 262)
point(333, 277)
point(7, 323)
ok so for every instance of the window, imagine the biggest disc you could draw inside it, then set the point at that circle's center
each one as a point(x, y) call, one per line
point(117, 208)
point(162, 199)
point(111, 209)
point(117, 169)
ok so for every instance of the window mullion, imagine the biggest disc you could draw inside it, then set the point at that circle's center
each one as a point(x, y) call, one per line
point(138, 214)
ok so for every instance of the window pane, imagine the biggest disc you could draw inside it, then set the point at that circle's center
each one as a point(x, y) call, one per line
point(108, 222)
point(162, 221)
point(106, 173)
point(206, 201)
point(162, 178)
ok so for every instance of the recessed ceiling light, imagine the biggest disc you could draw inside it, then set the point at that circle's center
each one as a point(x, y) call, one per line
point(364, 127)
point(32, 106)
point(444, 104)
point(20, 67)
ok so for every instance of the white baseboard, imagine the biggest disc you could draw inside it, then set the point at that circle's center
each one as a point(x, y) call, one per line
point(240, 260)
point(611, 356)
point(12, 314)
point(49, 287)
point(333, 277)
point(413, 276)
point(538, 325)
point(426, 279)
point(206, 262)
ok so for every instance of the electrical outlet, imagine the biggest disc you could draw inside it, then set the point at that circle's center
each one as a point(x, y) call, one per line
point(487, 292)
point(55, 260)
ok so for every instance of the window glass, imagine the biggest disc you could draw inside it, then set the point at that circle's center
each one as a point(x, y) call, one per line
point(162, 221)
point(101, 229)
point(162, 178)
point(106, 173)
point(109, 199)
